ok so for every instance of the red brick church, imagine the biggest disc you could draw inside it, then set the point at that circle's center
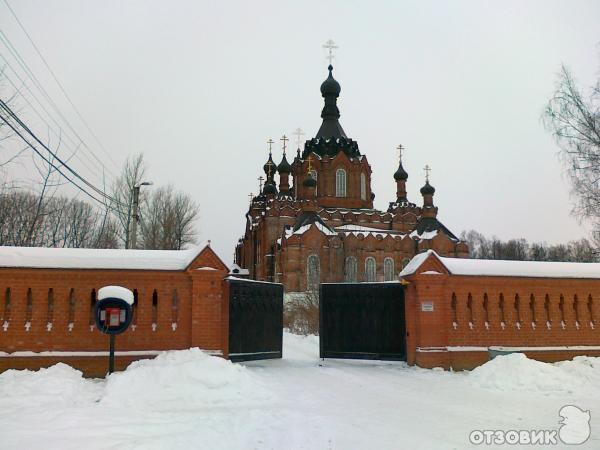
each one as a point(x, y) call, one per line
point(320, 225)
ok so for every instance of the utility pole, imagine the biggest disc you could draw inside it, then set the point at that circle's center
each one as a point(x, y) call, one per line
point(135, 215)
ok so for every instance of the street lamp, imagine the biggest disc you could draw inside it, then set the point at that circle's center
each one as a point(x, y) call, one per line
point(135, 215)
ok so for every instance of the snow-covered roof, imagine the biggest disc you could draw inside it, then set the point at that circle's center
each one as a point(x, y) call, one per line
point(91, 258)
point(502, 268)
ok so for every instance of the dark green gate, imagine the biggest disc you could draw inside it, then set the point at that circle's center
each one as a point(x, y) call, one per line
point(255, 319)
point(362, 321)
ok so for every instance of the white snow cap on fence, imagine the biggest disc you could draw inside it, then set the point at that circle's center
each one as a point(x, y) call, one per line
point(115, 292)
point(92, 258)
point(502, 268)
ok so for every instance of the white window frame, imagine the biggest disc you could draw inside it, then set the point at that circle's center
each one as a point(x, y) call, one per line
point(340, 183)
point(388, 269)
point(363, 186)
point(313, 285)
point(351, 269)
point(370, 269)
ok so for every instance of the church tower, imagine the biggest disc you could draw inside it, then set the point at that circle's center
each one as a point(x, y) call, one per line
point(321, 226)
point(342, 174)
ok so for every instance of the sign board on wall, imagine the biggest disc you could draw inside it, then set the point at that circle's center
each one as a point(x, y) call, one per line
point(427, 306)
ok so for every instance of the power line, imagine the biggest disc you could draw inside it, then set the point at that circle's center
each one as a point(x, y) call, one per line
point(59, 83)
point(12, 115)
point(57, 134)
point(29, 73)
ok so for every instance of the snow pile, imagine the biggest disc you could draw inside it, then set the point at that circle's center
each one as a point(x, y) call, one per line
point(516, 372)
point(183, 379)
point(59, 385)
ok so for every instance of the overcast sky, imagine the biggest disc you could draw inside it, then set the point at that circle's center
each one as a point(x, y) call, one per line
point(199, 87)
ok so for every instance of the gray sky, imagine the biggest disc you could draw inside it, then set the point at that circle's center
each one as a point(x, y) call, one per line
point(199, 87)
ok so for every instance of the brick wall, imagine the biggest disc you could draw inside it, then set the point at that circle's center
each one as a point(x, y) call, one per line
point(548, 319)
point(50, 310)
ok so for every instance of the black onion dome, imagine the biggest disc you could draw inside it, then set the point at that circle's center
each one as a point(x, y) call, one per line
point(284, 166)
point(400, 174)
point(330, 86)
point(271, 163)
point(270, 188)
point(427, 189)
point(309, 181)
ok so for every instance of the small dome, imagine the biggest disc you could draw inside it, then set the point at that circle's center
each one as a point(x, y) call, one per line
point(309, 181)
point(270, 188)
point(427, 189)
point(400, 174)
point(284, 166)
point(272, 164)
point(330, 86)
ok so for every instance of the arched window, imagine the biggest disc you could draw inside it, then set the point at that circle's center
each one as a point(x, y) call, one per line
point(388, 269)
point(453, 307)
point(370, 269)
point(313, 272)
point(134, 307)
point(590, 306)
point(313, 173)
point(29, 310)
point(351, 270)
point(50, 311)
point(154, 306)
point(92, 319)
point(71, 315)
point(174, 307)
point(7, 306)
point(363, 186)
point(340, 183)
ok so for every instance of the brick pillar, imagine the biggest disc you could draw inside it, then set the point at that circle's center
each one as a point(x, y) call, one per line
point(207, 318)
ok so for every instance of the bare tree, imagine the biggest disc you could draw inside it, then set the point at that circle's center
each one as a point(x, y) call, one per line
point(574, 120)
point(168, 219)
point(481, 247)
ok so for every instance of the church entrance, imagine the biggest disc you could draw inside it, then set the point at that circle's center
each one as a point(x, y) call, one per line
point(362, 321)
point(255, 320)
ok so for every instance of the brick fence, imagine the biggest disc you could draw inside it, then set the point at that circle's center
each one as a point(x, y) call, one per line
point(462, 312)
point(46, 312)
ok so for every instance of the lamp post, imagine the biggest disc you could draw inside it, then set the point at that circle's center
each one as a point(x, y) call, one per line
point(135, 215)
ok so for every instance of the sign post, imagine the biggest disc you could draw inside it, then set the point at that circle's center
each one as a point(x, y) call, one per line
point(113, 313)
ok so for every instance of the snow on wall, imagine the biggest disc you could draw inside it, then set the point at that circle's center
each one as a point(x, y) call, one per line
point(501, 268)
point(89, 258)
point(116, 292)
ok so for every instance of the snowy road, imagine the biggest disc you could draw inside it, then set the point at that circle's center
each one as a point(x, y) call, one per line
point(187, 400)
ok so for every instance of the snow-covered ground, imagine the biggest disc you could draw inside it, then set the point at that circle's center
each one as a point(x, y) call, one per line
point(189, 400)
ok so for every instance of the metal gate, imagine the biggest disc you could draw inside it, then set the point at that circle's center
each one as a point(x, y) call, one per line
point(255, 320)
point(362, 321)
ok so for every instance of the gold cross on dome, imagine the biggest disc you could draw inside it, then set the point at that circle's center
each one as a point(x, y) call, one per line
point(400, 148)
point(260, 180)
point(284, 139)
point(427, 169)
point(251, 196)
point(270, 142)
point(330, 46)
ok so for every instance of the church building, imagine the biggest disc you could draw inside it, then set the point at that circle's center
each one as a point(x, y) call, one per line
point(319, 224)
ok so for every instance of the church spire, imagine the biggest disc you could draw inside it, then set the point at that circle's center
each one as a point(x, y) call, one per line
point(330, 90)
point(400, 176)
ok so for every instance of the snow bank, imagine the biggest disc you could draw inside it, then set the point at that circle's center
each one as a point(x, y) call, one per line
point(59, 385)
point(516, 372)
point(183, 379)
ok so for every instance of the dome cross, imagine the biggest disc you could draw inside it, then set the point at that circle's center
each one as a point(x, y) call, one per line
point(427, 169)
point(284, 139)
point(330, 46)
